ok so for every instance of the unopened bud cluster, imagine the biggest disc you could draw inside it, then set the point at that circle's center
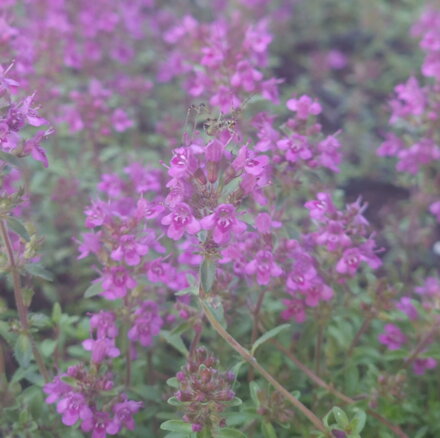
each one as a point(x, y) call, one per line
point(204, 391)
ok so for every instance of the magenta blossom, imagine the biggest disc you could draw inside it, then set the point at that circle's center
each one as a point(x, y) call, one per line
point(101, 348)
point(392, 337)
point(421, 365)
point(73, 407)
point(223, 222)
point(304, 106)
point(264, 266)
point(123, 416)
point(116, 281)
point(147, 324)
point(294, 309)
point(97, 424)
point(129, 250)
point(180, 220)
point(105, 324)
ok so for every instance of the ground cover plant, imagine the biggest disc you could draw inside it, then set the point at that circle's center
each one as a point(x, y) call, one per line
point(219, 219)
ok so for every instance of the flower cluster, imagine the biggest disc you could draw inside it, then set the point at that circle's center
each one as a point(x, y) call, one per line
point(77, 394)
point(204, 391)
point(15, 116)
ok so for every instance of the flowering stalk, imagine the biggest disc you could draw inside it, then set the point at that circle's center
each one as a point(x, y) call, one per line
point(18, 295)
point(247, 356)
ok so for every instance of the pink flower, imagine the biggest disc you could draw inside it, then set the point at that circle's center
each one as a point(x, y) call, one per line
point(97, 424)
point(252, 165)
point(159, 271)
point(116, 281)
point(225, 99)
point(120, 120)
point(296, 148)
point(264, 223)
point(420, 365)
point(435, 210)
point(223, 222)
point(333, 236)
point(264, 266)
point(105, 324)
point(129, 250)
point(180, 220)
point(321, 208)
point(295, 309)
point(123, 416)
point(407, 306)
point(246, 76)
point(73, 407)
point(316, 293)
point(96, 214)
point(56, 389)
point(91, 244)
point(147, 324)
point(101, 348)
point(111, 184)
point(304, 106)
point(392, 337)
point(352, 258)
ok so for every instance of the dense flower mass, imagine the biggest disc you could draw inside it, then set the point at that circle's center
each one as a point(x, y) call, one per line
point(211, 182)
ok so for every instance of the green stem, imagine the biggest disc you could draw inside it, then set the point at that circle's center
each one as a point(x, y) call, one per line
point(19, 302)
point(247, 356)
point(316, 379)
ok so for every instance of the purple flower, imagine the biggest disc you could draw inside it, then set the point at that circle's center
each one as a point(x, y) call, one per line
point(392, 337)
point(105, 324)
point(116, 281)
point(420, 365)
point(304, 106)
point(123, 416)
point(147, 324)
point(129, 250)
point(321, 208)
point(97, 424)
point(56, 389)
point(180, 220)
point(296, 148)
point(101, 348)
point(406, 306)
point(264, 266)
point(73, 407)
point(294, 309)
point(223, 222)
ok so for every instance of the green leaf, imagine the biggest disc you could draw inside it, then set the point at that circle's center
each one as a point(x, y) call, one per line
point(268, 430)
point(47, 347)
point(254, 389)
point(357, 423)
point(16, 226)
point(207, 273)
point(173, 382)
point(215, 306)
point(174, 402)
point(228, 432)
point(340, 417)
point(40, 320)
point(93, 290)
point(38, 270)
point(69, 380)
point(175, 341)
point(234, 402)
point(231, 187)
point(23, 350)
point(268, 335)
point(176, 426)
point(9, 158)
point(56, 313)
